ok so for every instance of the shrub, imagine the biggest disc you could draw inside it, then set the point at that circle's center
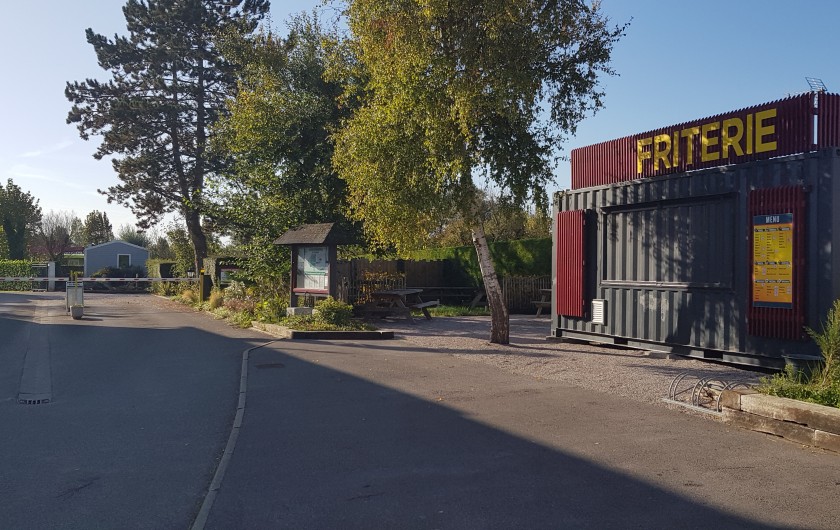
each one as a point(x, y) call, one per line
point(823, 384)
point(189, 296)
point(828, 339)
point(333, 312)
point(15, 268)
point(216, 300)
point(116, 272)
point(270, 310)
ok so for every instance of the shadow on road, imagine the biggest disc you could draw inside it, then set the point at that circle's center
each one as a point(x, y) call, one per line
point(320, 448)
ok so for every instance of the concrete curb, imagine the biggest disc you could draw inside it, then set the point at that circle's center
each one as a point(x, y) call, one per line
point(219, 475)
point(798, 421)
point(286, 333)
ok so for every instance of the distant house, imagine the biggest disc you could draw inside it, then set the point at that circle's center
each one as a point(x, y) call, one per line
point(117, 254)
point(74, 256)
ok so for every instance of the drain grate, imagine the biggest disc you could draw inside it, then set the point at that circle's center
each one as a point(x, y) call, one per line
point(34, 399)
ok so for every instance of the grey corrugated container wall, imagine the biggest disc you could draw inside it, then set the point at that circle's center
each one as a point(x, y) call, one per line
point(670, 256)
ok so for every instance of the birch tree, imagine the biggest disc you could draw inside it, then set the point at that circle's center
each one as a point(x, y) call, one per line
point(459, 91)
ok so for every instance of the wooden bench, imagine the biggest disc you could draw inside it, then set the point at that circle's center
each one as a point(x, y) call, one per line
point(541, 304)
point(423, 306)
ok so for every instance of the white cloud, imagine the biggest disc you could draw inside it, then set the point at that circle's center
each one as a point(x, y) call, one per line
point(60, 146)
point(25, 171)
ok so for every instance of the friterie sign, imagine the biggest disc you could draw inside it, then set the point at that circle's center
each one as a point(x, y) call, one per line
point(794, 125)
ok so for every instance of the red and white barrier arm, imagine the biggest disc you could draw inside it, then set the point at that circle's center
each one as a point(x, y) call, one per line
point(64, 279)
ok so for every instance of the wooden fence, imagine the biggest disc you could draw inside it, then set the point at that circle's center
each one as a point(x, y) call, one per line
point(359, 277)
point(520, 291)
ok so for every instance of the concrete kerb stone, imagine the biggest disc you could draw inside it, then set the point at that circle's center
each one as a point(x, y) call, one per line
point(798, 421)
point(219, 475)
point(286, 333)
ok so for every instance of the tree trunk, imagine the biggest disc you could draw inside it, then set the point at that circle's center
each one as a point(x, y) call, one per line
point(16, 238)
point(499, 318)
point(197, 237)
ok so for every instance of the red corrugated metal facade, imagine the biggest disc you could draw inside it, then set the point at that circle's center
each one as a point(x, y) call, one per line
point(570, 263)
point(781, 323)
point(787, 125)
point(828, 120)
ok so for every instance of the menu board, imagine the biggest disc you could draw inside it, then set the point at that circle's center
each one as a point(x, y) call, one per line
point(312, 268)
point(773, 260)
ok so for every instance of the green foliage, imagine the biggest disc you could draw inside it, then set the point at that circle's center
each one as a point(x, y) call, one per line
point(169, 85)
point(329, 315)
point(4, 244)
point(308, 323)
point(216, 299)
point(19, 217)
point(132, 235)
point(97, 229)
point(77, 232)
point(116, 272)
point(15, 268)
point(278, 131)
point(789, 384)
point(502, 222)
point(188, 296)
point(448, 96)
point(271, 309)
point(822, 386)
point(333, 312)
point(458, 311)
point(526, 257)
point(828, 340)
point(241, 301)
point(182, 249)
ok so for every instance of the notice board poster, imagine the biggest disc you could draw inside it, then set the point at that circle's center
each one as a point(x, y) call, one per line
point(312, 268)
point(773, 260)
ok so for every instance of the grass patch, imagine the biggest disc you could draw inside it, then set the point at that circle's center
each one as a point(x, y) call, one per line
point(458, 311)
point(309, 323)
point(329, 315)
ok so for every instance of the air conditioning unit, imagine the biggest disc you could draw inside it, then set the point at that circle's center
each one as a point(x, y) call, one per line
point(599, 311)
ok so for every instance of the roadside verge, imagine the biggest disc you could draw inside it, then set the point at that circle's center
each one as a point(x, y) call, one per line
point(288, 333)
point(798, 421)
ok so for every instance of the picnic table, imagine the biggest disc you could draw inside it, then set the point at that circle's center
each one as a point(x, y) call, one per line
point(454, 295)
point(399, 302)
point(544, 301)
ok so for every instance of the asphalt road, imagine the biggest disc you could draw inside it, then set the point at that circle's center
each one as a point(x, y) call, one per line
point(142, 396)
point(353, 435)
point(368, 435)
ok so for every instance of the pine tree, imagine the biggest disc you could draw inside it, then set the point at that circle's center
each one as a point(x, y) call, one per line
point(97, 228)
point(169, 85)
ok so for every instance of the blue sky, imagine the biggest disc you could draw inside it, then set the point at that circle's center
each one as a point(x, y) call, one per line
point(679, 61)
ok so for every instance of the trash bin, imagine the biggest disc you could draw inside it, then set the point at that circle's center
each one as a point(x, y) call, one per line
point(75, 295)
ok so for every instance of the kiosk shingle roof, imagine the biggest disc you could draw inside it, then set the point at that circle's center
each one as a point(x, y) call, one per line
point(315, 234)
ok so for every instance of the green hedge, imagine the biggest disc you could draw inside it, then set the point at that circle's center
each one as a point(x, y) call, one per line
point(15, 268)
point(156, 268)
point(524, 257)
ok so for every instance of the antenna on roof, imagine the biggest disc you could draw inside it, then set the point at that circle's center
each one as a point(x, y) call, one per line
point(816, 84)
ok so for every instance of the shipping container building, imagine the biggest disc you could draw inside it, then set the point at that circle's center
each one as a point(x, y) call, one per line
point(714, 239)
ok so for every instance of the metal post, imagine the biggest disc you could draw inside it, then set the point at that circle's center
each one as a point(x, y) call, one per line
point(51, 276)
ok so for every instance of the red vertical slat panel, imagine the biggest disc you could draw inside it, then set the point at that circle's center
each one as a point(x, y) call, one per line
point(570, 264)
point(775, 322)
point(828, 120)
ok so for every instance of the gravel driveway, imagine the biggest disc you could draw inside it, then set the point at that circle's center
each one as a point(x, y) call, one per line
point(619, 371)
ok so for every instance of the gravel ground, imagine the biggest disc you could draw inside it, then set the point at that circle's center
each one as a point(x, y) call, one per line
point(620, 371)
